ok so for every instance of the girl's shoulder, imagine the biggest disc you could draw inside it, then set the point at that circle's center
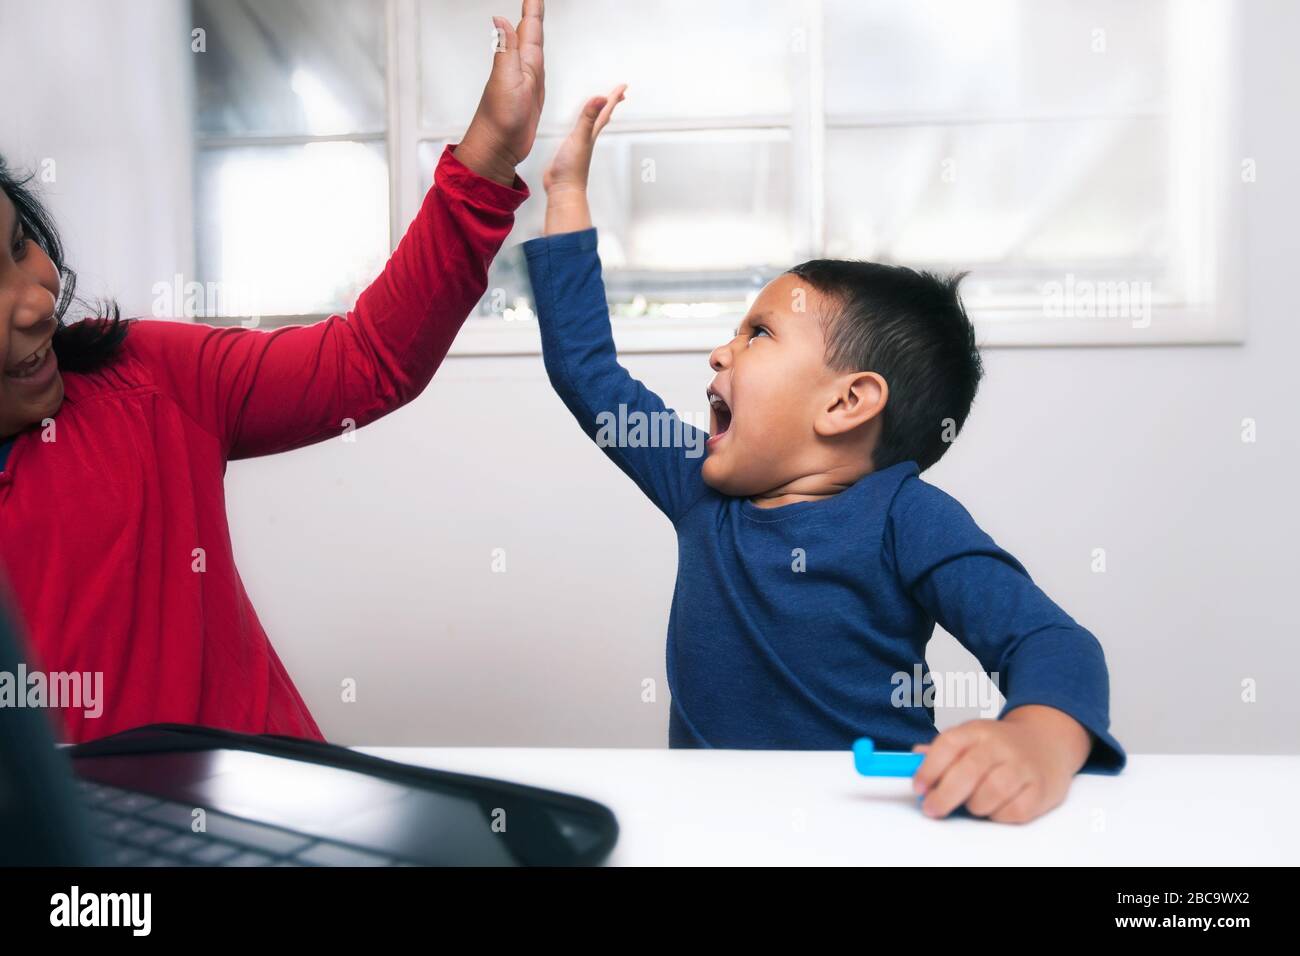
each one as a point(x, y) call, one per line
point(131, 368)
point(150, 355)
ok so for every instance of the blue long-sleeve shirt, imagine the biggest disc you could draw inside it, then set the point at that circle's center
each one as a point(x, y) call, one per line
point(805, 626)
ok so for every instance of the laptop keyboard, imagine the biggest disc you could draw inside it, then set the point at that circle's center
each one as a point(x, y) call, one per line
point(135, 829)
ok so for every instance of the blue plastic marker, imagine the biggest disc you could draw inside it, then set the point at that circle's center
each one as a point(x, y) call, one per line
point(871, 762)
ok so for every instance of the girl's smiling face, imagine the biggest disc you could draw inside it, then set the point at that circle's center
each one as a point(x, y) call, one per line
point(31, 388)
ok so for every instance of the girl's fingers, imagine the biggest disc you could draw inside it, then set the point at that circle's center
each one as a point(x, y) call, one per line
point(505, 61)
point(530, 30)
point(507, 38)
point(531, 60)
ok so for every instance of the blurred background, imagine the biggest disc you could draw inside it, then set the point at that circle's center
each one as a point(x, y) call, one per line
point(1116, 176)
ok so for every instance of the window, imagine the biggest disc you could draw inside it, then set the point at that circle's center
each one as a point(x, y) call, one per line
point(292, 180)
point(1075, 158)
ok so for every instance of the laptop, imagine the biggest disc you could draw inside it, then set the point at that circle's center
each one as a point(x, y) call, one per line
point(177, 795)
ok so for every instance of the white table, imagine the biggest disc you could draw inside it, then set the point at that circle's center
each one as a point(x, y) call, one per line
point(722, 807)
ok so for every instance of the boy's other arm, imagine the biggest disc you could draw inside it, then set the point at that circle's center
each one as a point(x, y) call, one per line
point(1051, 670)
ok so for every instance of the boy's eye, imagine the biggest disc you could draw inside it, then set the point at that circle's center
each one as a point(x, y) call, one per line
point(758, 330)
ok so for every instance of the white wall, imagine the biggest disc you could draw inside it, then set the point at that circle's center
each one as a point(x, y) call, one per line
point(372, 561)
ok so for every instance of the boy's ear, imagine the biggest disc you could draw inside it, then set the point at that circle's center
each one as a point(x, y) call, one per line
point(854, 400)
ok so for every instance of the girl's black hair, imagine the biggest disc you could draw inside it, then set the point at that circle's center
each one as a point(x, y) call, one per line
point(80, 346)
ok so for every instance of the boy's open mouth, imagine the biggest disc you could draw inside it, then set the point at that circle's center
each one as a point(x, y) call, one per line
point(719, 412)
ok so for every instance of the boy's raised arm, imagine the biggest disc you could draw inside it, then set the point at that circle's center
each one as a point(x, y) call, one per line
point(565, 179)
point(631, 424)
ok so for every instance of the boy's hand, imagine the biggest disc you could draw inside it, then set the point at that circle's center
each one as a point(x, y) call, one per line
point(565, 179)
point(1010, 770)
point(572, 161)
point(505, 124)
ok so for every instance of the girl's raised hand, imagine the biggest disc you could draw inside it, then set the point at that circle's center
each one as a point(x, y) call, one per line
point(572, 161)
point(505, 124)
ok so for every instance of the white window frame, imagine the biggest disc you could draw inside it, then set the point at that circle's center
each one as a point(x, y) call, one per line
point(1206, 224)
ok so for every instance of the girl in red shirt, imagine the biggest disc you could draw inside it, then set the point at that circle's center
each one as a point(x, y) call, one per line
point(114, 435)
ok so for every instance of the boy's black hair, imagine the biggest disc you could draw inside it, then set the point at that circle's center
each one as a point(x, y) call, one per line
point(911, 328)
point(81, 346)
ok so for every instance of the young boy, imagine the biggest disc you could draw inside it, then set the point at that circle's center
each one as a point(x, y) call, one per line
point(813, 562)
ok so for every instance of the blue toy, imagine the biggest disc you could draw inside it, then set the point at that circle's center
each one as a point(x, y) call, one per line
point(871, 762)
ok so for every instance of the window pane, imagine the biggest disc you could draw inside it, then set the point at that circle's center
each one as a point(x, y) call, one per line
point(955, 56)
point(290, 67)
point(682, 217)
point(288, 230)
point(1001, 197)
point(680, 58)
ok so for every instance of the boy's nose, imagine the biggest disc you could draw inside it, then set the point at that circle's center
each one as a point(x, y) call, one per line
point(719, 357)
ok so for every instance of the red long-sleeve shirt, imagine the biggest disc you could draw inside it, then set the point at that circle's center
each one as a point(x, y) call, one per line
point(99, 528)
